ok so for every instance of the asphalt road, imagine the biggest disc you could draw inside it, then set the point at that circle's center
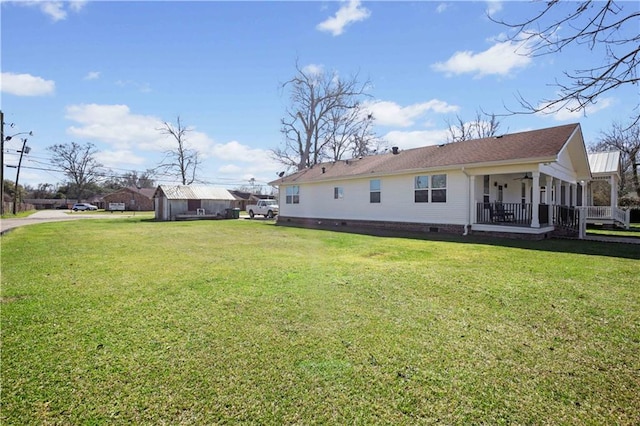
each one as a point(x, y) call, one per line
point(55, 216)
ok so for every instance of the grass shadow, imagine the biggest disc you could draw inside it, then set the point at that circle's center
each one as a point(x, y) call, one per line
point(560, 245)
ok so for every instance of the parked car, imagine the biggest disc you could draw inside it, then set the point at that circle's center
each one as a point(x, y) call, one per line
point(83, 206)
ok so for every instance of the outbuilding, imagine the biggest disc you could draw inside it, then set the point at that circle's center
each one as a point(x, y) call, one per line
point(173, 202)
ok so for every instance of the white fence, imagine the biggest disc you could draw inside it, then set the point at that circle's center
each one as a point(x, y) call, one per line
point(595, 213)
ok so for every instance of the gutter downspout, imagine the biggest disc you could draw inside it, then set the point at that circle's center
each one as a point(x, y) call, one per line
point(468, 224)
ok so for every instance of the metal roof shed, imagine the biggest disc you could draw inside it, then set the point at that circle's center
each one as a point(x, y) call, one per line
point(174, 200)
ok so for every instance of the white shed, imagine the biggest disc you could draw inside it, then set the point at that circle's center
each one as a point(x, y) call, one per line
point(172, 201)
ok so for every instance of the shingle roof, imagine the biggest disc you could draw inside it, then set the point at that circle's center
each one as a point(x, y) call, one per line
point(195, 192)
point(531, 145)
point(604, 162)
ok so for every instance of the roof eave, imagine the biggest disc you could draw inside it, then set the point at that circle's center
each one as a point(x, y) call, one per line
point(522, 161)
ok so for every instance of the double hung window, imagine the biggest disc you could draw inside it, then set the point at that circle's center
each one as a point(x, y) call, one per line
point(293, 194)
point(374, 191)
point(430, 188)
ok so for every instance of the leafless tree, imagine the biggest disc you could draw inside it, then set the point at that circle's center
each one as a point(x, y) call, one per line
point(350, 133)
point(78, 163)
point(626, 139)
point(181, 161)
point(610, 26)
point(321, 103)
point(133, 179)
point(482, 126)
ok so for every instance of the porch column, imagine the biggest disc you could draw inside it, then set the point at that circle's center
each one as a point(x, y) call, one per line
point(558, 196)
point(535, 218)
point(573, 192)
point(548, 200)
point(583, 184)
point(614, 193)
point(472, 199)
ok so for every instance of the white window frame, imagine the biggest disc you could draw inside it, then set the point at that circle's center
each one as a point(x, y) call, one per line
point(292, 194)
point(373, 190)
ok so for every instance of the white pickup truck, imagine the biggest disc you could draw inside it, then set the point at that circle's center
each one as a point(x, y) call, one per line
point(268, 208)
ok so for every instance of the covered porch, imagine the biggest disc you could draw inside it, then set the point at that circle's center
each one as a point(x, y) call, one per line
point(539, 202)
point(530, 201)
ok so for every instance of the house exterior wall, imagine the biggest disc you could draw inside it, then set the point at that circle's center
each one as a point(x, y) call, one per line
point(397, 202)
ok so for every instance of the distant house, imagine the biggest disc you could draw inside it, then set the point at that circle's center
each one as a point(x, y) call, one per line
point(246, 198)
point(529, 184)
point(133, 198)
point(172, 202)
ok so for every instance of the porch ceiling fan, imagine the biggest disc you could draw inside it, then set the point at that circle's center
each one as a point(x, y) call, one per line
point(525, 177)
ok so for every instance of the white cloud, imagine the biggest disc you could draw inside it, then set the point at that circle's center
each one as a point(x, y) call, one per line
point(116, 126)
point(500, 59)
point(493, 6)
point(313, 69)
point(117, 159)
point(388, 113)
point(56, 10)
point(135, 140)
point(92, 75)
point(347, 14)
point(414, 139)
point(442, 7)
point(26, 85)
point(572, 110)
point(243, 162)
point(235, 151)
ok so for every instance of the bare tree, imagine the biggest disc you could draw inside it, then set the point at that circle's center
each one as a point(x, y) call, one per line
point(78, 163)
point(604, 24)
point(626, 139)
point(181, 162)
point(482, 126)
point(320, 103)
point(142, 180)
point(350, 132)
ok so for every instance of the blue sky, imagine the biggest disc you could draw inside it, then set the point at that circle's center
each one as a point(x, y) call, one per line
point(110, 72)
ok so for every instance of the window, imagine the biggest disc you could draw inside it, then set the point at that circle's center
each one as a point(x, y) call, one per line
point(338, 193)
point(374, 191)
point(421, 186)
point(436, 192)
point(486, 188)
point(439, 189)
point(293, 194)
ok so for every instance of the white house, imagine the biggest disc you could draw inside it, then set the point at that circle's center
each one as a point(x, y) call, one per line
point(179, 201)
point(521, 184)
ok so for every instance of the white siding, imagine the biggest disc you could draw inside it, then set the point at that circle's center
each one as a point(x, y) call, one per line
point(397, 201)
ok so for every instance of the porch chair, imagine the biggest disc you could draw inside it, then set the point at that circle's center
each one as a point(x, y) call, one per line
point(501, 214)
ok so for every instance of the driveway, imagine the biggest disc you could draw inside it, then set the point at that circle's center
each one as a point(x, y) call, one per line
point(55, 216)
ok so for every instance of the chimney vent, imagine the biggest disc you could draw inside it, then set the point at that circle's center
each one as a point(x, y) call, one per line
point(394, 149)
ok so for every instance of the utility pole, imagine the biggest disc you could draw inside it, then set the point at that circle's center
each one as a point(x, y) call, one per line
point(25, 150)
point(1, 163)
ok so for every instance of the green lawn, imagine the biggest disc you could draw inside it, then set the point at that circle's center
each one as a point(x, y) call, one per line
point(128, 321)
point(632, 232)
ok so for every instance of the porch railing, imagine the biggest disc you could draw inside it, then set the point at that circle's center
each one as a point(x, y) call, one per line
point(518, 214)
point(566, 217)
point(608, 213)
point(504, 213)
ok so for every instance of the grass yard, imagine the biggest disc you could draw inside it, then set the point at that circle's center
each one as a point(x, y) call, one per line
point(130, 321)
point(632, 232)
